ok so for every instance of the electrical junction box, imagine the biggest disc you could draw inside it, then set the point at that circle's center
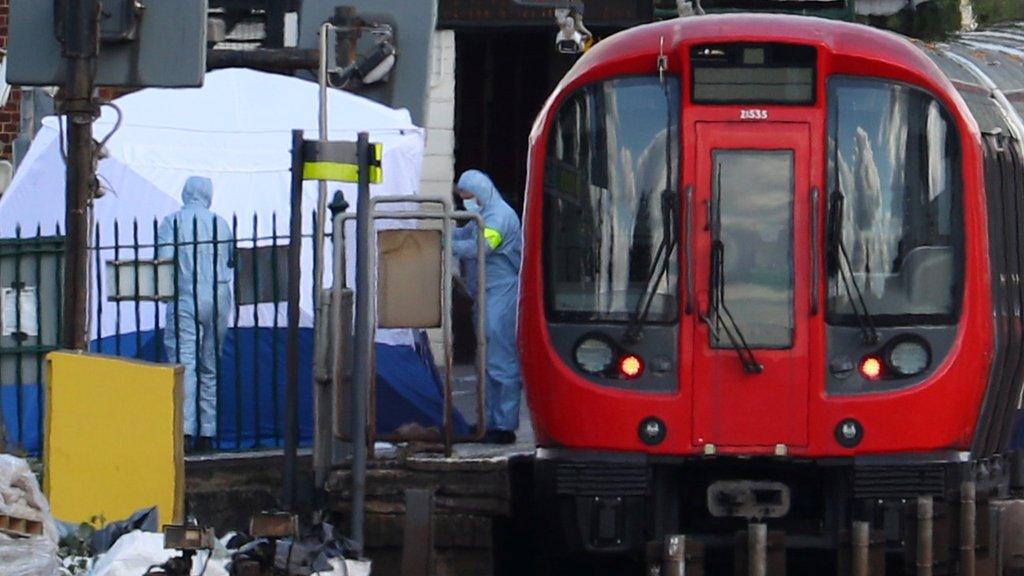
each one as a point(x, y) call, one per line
point(144, 43)
point(114, 438)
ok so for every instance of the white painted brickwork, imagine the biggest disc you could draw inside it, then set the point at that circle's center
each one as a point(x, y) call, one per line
point(439, 158)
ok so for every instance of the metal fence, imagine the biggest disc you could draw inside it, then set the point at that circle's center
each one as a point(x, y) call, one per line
point(30, 327)
point(138, 282)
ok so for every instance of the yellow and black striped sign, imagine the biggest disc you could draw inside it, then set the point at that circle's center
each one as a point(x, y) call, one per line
point(338, 161)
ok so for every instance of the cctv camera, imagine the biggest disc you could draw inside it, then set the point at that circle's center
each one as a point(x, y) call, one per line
point(569, 44)
point(570, 39)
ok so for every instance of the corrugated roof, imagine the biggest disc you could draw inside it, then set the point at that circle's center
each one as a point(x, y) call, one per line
point(987, 66)
point(883, 7)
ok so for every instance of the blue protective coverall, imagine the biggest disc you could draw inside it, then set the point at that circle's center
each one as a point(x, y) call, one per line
point(503, 237)
point(197, 319)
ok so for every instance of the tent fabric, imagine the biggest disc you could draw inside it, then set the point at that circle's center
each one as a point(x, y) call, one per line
point(235, 130)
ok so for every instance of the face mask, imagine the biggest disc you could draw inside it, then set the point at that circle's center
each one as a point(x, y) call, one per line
point(471, 205)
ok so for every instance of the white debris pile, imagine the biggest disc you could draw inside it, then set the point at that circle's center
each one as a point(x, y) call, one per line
point(134, 553)
point(28, 534)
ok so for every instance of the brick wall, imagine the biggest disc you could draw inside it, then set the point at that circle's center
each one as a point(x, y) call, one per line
point(10, 119)
point(439, 159)
point(439, 156)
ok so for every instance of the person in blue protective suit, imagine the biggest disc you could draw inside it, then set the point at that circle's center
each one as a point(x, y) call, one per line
point(502, 234)
point(201, 244)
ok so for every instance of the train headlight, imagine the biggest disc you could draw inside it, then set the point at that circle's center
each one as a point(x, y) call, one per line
point(909, 357)
point(594, 355)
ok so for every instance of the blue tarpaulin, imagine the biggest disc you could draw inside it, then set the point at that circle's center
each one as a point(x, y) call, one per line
point(251, 390)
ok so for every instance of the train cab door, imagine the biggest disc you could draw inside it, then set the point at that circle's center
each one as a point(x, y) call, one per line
point(751, 264)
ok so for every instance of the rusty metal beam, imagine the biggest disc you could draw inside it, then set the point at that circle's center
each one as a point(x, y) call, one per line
point(266, 59)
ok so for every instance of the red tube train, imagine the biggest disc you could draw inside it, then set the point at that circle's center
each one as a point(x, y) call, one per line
point(771, 272)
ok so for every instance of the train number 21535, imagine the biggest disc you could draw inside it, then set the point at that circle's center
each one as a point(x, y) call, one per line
point(754, 114)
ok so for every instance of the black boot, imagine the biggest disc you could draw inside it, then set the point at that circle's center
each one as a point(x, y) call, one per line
point(500, 437)
point(205, 445)
point(190, 444)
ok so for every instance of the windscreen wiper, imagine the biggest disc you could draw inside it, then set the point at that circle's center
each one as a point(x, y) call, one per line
point(659, 266)
point(839, 262)
point(723, 317)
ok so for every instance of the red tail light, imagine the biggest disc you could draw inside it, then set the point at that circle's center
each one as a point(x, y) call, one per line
point(631, 366)
point(871, 368)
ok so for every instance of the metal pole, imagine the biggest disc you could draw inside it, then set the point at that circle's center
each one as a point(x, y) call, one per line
point(757, 549)
point(675, 556)
point(291, 392)
point(968, 534)
point(321, 201)
point(80, 49)
point(924, 536)
point(323, 438)
point(363, 346)
point(860, 546)
point(341, 330)
point(446, 329)
point(481, 328)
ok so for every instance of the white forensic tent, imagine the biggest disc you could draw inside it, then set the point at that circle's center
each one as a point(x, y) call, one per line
point(235, 130)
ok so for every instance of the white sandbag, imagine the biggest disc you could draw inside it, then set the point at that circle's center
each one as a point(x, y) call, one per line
point(136, 551)
point(21, 497)
point(35, 556)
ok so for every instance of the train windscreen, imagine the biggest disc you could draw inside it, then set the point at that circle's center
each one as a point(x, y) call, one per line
point(612, 163)
point(895, 157)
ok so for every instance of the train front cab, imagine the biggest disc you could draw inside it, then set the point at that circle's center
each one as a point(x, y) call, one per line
point(756, 288)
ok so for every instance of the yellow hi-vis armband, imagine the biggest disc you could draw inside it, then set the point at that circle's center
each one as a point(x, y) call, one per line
point(493, 238)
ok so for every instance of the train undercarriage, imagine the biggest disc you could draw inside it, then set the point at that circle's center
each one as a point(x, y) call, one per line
point(922, 514)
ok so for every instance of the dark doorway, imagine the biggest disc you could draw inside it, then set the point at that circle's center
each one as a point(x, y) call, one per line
point(501, 82)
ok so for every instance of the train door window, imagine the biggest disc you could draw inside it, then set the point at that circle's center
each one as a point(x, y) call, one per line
point(895, 157)
point(756, 232)
point(612, 161)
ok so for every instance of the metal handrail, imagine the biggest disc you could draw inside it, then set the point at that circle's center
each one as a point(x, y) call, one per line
point(446, 216)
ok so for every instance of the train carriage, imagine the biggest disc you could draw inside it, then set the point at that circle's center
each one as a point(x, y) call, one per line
point(772, 274)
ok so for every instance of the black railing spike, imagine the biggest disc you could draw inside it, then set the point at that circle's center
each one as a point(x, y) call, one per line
point(40, 334)
point(216, 321)
point(117, 303)
point(256, 332)
point(275, 381)
point(160, 352)
point(176, 232)
point(138, 302)
point(19, 400)
point(99, 278)
point(237, 348)
point(197, 352)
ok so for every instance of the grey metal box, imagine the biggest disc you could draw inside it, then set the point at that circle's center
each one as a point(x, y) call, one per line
point(170, 49)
